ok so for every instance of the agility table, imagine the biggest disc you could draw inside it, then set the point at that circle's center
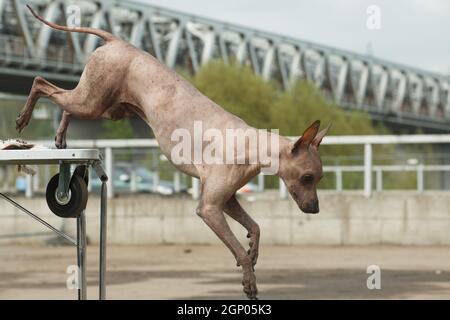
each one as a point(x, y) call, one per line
point(66, 196)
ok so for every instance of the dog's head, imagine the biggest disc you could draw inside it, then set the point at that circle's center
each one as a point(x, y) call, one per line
point(301, 168)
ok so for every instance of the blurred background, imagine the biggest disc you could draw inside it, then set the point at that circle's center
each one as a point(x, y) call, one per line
point(378, 70)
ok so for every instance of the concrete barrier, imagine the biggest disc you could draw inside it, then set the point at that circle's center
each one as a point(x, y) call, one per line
point(405, 218)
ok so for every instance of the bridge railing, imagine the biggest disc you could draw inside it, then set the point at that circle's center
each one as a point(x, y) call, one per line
point(372, 173)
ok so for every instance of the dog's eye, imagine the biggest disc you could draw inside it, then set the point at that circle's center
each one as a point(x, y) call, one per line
point(307, 178)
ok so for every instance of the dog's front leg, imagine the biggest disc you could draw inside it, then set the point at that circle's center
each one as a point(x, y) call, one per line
point(60, 138)
point(234, 210)
point(212, 214)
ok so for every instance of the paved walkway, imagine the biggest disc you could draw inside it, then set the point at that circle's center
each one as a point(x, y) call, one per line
point(199, 272)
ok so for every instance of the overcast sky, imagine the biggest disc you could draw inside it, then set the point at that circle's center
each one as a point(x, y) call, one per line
point(413, 32)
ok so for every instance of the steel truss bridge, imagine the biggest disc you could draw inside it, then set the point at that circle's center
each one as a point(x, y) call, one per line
point(390, 92)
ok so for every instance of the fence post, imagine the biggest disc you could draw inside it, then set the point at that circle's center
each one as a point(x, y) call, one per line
point(47, 174)
point(109, 168)
point(177, 181)
point(6, 179)
point(261, 182)
point(29, 186)
point(283, 190)
point(339, 185)
point(379, 180)
point(133, 181)
point(155, 181)
point(36, 182)
point(420, 184)
point(367, 169)
point(195, 188)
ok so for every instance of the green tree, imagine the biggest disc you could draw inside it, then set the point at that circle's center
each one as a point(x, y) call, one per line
point(120, 129)
point(302, 104)
point(237, 89)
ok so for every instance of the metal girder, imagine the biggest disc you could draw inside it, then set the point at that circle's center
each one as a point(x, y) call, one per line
point(337, 69)
point(358, 77)
point(174, 43)
point(397, 89)
point(177, 38)
point(295, 68)
point(43, 38)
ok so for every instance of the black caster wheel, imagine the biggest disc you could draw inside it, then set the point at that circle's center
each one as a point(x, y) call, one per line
point(74, 204)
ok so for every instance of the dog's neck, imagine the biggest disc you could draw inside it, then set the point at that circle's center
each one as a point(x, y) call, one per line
point(275, 153)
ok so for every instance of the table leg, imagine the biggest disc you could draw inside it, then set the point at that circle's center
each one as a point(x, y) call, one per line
point(103, 232)
point(81, 256)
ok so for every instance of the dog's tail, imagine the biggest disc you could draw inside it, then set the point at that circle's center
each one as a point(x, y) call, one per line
point(106, 36)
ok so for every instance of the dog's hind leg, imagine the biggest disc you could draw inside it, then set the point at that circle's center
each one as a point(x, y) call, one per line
point(74, 102)
point(40, 88)
point(234, 209)
point(210, 210)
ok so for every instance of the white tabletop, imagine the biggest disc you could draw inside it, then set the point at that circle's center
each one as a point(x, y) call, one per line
point(49, 156)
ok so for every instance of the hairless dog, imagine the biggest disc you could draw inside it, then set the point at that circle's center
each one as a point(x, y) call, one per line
point(120, 80)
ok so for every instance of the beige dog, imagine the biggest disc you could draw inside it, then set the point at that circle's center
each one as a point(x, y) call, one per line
point(120, 80)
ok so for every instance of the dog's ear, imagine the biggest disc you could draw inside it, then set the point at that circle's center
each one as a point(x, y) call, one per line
point(318, 139)
point(307, 137)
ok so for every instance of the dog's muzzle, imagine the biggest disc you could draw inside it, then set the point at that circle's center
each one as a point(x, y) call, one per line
point(310, 207)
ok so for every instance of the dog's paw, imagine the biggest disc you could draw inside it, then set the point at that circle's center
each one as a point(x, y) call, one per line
point(249, 283)
point(60, 142)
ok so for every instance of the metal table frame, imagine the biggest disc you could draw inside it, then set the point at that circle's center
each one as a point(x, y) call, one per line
point(65, 158)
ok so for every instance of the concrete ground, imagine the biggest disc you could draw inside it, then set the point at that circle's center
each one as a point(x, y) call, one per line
point(208, 272)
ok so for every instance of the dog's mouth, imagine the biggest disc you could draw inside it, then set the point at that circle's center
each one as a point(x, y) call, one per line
point(305, 207)
point(310, 210)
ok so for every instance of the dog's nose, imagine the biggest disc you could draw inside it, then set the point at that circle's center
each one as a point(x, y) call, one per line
point(312, 207)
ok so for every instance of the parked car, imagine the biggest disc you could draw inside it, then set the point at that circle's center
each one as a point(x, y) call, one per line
point(250, 187)
point(123, 176)
point(21, 184)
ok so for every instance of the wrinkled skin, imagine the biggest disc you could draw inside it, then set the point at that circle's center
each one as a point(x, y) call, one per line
point(120, 80)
